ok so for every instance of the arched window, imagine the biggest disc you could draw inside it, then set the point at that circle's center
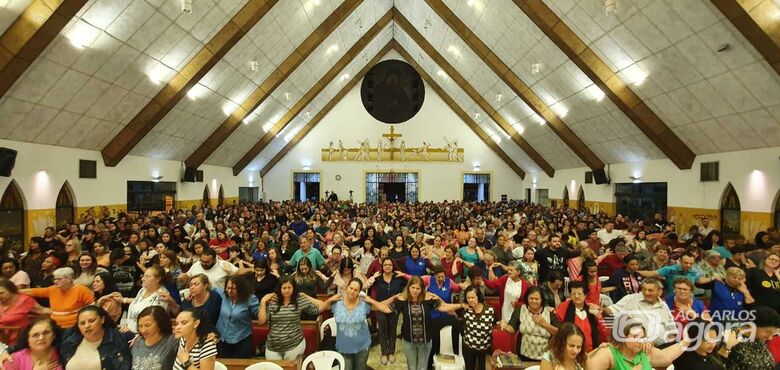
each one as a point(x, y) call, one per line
point(777, 210)
point(565, 197)
point(12, 216)
point(206, 196)
point(730, 211)
point(65, 211)
point(221, 197)
point(581, 199)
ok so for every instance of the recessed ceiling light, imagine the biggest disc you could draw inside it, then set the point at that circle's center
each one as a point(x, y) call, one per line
point(442, 74)
point(596, 93)
point(477, 115)
point(196, 91)
point(308, 114)
point(332, 49)
point(157, 73)
point(499, 97)
point(560, 110)
point(538, 119)
point(344, 77)
point(254, 65)
point(229, 107)
point(287, 96)
point(536, 67)
point(453, 49)
point(635, 75)
point(267, 127)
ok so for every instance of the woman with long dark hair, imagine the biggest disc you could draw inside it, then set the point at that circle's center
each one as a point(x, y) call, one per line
point(282, 311)
point(566, 350)
point(195, 350)
point(155, 347)
point(86, 269)
point(239, 307)
point(103, 285)
point(95, 344)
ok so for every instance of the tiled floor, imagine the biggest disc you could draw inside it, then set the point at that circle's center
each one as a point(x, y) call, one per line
point(375, 355)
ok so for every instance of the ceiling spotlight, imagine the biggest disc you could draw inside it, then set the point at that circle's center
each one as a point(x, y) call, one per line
point(610, 7)
point(344, 77)
point(477, 115)
point(499, 97)
point(536, 67)
point(332, 49)
point(287, 96)
point(453, 49)
point(254, 65)
point(442, 74)
point(186, 6)
point(308, 114)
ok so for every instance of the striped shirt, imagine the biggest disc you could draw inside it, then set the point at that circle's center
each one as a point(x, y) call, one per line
point(201, 351)
point(285, 325)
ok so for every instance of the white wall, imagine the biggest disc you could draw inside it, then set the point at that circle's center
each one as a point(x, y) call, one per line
point(350, 122)
point(40, 188)
point(755, 175)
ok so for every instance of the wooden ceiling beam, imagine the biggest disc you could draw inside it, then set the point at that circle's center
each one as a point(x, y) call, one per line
point(315, 90)
point(426, 46)
point(609, 82)
point(274, 80)
point(459, 111)
point(511, 79)
point(325, 110)
point(757, 20)
point(175, 90)
point(30, 34)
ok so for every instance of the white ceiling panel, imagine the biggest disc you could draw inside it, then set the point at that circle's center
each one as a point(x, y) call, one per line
point(98, 73)
point(668, 52)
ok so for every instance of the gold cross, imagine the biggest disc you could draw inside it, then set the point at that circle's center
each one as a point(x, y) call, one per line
point(392, 135)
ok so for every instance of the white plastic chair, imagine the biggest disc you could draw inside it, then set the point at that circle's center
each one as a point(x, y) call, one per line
point(332, 322)
point(446, 348)
point(264, 366)
point(535, 367)
point(323, 360)
point(219, 366)
point(603, 278)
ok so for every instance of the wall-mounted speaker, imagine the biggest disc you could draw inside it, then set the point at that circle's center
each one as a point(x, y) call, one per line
point(87, 169)
point(600, 176)
point(7, 161)
point(189, 174)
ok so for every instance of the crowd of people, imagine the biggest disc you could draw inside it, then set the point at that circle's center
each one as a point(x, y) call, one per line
point(176, 290)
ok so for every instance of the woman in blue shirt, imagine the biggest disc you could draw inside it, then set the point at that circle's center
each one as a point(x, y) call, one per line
point(729, 297)
point(353, 339)
point(239, 307)
point(414, 264)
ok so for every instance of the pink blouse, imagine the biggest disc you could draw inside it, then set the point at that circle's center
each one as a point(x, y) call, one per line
point(22, 360)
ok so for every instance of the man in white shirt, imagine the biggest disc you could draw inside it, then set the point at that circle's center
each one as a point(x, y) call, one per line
point(216, 269)
point(608, 233)
point(647, 308)
point(705, 228)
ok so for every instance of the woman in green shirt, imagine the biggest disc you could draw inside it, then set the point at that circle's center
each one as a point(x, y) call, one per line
point(633, 351)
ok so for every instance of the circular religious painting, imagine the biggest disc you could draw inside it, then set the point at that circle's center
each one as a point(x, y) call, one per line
point(392, 91)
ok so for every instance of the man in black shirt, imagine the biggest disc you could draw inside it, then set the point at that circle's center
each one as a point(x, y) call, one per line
point(554, 258)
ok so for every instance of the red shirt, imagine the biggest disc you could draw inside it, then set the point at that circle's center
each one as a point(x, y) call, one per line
point(609, 265)
point(17, 315)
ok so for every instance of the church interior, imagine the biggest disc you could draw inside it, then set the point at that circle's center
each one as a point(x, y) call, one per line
point(294, 126)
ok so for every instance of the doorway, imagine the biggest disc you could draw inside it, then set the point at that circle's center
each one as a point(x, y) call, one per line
point(306, 186)
point(392, 192)
point(392, 187)
point(476, 187)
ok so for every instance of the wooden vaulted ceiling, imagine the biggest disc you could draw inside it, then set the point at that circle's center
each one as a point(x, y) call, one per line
point(43, 20)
